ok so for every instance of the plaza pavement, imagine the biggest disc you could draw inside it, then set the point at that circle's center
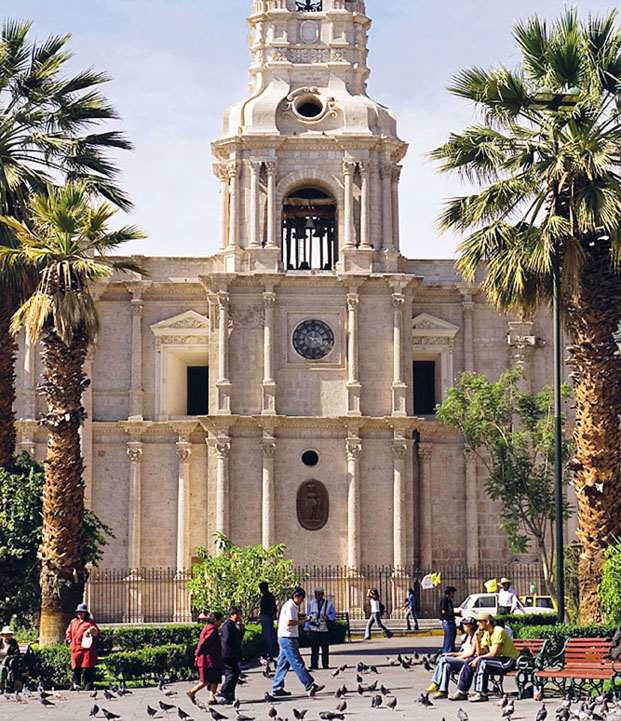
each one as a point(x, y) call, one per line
point(405, 685)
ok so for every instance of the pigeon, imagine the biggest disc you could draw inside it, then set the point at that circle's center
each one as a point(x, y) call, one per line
point(342, 706)
point(120, 691)
point(236, 704)
point(268, 697)
point(424, 699)
point(335, 673)
point(392, 661)
point(329, 715)
point(383, 690)
point(240, 717)
point(426, 665)
point(300, 714)
point(462, 715)
point(503, 701)
point(509, 710)
point(542, 714)
point(372, 687)
point(44, 694)
point(166, 706)
point(44, 702)
point(272, 713)
point(376, 701)
point(182, 714)
point(358, 678)
point(108, 696)
point(338, 693)
point(360, 690)
point(109, 715)
point(216, 715)
point(392, 703)
point(94, 711)
point(151, 711)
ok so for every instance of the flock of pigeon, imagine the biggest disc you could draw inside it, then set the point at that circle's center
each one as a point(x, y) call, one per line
point(603, 708)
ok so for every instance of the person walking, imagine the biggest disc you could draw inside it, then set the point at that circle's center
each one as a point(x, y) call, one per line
point(321, 613)
point(232, 632)
point(498, 656)
point(267, 616)
point(208, 657)
point(9, 660)
point(454, 662)
point(377, 611)
point(82, 634)
point(446, 614)
point(410, 605)
point(289, 657)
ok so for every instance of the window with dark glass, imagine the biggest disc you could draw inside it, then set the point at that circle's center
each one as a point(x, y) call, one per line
point(424, 388)
point(309, 230)
point(198, 390)
point(309, 6)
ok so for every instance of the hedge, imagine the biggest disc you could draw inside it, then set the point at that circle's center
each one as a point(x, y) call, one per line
point(559, 633)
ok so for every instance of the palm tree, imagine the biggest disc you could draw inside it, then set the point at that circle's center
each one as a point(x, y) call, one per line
point(44, 119)
point(548, 182)
point(65, 245)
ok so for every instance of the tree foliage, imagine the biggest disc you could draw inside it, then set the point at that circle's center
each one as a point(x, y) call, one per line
point(511, 432)
point(610, 586)
point(21, 491)
point(232, 576)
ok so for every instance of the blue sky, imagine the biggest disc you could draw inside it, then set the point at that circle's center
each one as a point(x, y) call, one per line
point(176, 64)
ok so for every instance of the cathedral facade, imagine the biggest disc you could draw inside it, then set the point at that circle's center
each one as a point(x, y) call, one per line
point(283, 390)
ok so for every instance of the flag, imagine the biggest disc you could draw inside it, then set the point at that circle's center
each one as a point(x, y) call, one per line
point(427, 582)
point(491, 586)
point(436, 578)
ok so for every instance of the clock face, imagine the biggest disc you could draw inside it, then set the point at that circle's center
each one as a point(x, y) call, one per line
point(313, 339)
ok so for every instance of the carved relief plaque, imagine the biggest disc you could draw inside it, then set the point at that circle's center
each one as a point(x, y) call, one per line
point(313, 505)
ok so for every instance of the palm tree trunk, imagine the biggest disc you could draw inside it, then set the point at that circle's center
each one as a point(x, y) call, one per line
point(62, 546)
point(592, 318)
point(8, 350)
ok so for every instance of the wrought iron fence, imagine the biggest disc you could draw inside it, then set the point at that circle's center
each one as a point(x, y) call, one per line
point(160, 595)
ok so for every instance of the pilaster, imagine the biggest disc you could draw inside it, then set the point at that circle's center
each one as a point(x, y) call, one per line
point(349, 168)
point(399, 387)
point(273, 240)
point(472, 509)
point(425, 455)
point(386, 171)
point(353, 449)
point(135, 453)
point(268, 387)
point(223, 384)
point(399, 452)
point(354, 386)
point(255, 172)
point(268, 501)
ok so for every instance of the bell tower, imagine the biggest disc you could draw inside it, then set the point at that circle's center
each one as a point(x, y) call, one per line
point(308, 162)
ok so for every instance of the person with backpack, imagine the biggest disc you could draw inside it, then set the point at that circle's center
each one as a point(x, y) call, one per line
point(377, 611)
point(321, 614)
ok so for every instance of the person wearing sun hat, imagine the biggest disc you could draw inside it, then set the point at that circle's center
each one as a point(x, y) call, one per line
point(508, 599)
point(82, 635)
point(9, 655)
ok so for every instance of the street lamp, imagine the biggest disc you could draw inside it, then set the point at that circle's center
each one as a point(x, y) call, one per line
point(550, 101)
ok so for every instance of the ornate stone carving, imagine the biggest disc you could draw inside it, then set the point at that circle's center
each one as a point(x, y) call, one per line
point(398, 300)
point(309, 56)
point(189, 323)
point(234, 169)
point(271, 167)
point(313, 505)
point(353, 301)
point(432, 340)
point(269, 299)
point(353, 448)
point(252, 317)
point(223, 447)
point(255, 166)
point(184, 452)
point(349, 167)
point(135, 452)
point(399, 449)
point(179, 340)
point(268, 447)
point(137, 307)
point(220, 171)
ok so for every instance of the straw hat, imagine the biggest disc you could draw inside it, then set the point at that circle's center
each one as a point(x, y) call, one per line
point(484, 616)
point(504, 580)
point(6, 631)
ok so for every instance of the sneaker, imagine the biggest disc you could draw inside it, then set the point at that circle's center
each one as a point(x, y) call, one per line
point(281, 692)
point(433, 687)
point(478, 697)
point(440, 694)
point(315, 688)
point(459, 696)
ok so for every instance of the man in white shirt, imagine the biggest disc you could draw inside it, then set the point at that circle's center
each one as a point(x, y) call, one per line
point(508, 599)
point(289, 657)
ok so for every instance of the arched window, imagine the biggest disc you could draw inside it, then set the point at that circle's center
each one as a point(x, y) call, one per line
point(309, 230)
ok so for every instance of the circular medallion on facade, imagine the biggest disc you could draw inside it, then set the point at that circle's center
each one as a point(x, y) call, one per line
point(313, 339)
point(309, 32)
point(313, 505)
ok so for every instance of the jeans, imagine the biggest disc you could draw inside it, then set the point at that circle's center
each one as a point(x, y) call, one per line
point(410, 616)
point(376, 618)
point(269, 635)
point(232, 673)
point(290, 658)
point(446, 665)
point(485, 667)
point(319, 639)
point(450, 633)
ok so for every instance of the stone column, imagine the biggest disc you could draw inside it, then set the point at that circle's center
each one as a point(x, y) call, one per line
point(365, 239)
point(184, 453)
point(399, 386)
point(468, 312)
point(135, 393)
point(353, 375)
point(272, 231)
point(399, 451)
point(223, 451)
point(268, 510)
point(396, 176)
point(135, 452)
point(223, 175)
point(425, 452)
point(387, 208)
point(30, 379)
point(353, 447)
point(472, 509)
point(223, 384)
point(349, 168)
point(269, 384)
point(255, 171)
point(234, 175)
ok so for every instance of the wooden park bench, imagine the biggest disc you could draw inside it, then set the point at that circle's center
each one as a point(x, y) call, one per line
point(581, 667)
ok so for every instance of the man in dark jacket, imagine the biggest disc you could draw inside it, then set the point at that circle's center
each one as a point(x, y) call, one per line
point(232, 632)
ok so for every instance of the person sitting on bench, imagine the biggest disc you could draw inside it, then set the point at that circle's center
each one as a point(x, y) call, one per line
point(9, 660)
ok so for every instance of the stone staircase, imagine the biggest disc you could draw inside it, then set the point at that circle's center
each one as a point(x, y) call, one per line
point(427, 627)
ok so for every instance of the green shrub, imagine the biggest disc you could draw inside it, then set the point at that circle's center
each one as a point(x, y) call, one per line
point(52, 666)
point(610, 586)
point(133, 638)
point(171, 661)
point(559, 633)
point(528, 619)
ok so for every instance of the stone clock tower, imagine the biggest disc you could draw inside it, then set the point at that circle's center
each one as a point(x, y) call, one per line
point(310, 293)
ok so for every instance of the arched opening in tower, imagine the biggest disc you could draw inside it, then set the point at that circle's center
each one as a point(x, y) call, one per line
point(309, 230)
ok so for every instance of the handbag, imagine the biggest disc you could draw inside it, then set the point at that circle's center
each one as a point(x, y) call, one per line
point(87, 640)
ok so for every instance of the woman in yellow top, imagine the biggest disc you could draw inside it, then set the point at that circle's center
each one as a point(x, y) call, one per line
point(498, 658)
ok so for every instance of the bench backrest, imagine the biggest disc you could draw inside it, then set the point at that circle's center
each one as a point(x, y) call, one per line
point(587, 651)
point(534, 645)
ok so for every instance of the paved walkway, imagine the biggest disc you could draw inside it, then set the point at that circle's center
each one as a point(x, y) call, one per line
point(405, 685)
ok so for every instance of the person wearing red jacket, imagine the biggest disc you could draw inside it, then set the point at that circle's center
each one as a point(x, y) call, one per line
point(82, 635)
point(208, 656)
